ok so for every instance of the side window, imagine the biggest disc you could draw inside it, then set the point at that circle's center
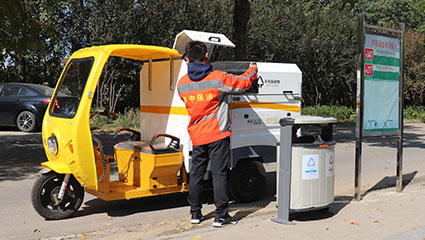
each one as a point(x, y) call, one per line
point(22, 92)
point(10, 91)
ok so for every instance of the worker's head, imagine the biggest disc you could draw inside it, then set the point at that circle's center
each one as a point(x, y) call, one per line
point(196, 51)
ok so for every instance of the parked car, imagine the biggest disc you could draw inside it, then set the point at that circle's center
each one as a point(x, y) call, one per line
point(23, 105)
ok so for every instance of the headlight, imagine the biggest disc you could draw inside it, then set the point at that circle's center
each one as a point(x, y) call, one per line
point(52, 143)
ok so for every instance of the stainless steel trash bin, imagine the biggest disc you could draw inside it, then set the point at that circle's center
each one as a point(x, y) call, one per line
point(313, 158)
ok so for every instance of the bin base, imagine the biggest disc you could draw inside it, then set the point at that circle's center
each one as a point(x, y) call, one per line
point(309, 208)
point(282, 221)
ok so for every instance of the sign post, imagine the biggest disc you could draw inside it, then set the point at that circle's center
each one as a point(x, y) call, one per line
point(379, 105)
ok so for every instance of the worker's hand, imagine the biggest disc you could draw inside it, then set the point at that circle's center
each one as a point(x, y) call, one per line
point(253, 64)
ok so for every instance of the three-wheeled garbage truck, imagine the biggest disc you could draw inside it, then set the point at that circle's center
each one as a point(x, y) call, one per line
point(156, 159)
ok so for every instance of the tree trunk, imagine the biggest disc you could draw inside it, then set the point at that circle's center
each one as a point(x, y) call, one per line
point(21, 64)
point(240, 19)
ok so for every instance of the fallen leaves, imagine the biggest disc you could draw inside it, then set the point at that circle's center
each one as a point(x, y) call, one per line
point(184, 228)
point(354, 223)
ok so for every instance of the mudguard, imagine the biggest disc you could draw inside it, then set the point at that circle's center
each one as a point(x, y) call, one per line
point(56, 166)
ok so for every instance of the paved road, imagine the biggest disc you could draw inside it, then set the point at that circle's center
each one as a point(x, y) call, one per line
point(21, 155)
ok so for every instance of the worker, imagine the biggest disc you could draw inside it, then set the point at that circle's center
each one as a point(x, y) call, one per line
point(203, 91)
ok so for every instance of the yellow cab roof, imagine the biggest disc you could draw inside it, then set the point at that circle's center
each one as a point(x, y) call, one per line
point(132, 51)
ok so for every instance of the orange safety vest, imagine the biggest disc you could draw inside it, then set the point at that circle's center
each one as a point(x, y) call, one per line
point(207, 105)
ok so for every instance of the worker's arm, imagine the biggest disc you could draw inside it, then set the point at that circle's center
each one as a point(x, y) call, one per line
point(239, 83)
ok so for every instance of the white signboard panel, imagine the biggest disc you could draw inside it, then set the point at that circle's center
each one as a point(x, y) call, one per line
point(381, 83)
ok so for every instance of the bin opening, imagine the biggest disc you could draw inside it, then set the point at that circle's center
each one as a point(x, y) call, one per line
point(312, 133)
point(305, 139)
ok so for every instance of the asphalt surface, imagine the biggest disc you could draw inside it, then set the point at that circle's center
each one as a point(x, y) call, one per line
point(22, 153)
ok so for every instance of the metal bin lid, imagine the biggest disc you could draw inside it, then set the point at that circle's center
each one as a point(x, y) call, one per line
point(305, 119)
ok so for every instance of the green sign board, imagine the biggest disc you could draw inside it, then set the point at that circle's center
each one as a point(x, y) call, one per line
point(381, 83)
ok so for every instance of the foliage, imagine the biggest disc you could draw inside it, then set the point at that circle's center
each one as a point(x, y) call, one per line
point(119, 85)
point(348, 115)
point(320, 36)
point(129, 118)
point(414, 68)
point(414, 113)
point(341, 113)
point(320, 40)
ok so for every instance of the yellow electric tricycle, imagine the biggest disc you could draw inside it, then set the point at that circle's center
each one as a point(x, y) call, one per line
point(148, 164)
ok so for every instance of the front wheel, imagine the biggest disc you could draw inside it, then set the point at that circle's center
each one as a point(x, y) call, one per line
point(247, 180)
point(44, 196)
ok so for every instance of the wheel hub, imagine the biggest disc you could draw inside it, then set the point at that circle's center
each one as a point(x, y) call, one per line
point(54, 195)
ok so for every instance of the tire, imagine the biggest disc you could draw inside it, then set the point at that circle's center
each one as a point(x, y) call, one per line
point(43, 191)
point(26, 121)
point(247, 180)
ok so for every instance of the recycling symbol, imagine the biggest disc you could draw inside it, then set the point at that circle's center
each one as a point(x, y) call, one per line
point(331, 160)
point(311, 162)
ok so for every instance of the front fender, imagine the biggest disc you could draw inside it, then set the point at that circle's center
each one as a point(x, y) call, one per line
point(56, 166)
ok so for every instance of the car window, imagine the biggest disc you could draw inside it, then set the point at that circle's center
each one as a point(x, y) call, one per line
point(22, 92)
point(11, 91)
point(44, 90)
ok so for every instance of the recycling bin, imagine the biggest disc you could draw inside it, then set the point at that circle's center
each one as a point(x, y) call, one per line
point(312, 166)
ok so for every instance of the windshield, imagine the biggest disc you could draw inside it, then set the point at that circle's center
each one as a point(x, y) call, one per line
point(71, 88)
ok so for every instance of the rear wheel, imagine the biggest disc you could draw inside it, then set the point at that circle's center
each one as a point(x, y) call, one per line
point(26, 121)
point(247, 180)
point(44, 195)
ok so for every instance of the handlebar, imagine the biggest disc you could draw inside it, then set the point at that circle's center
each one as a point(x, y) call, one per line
point(134, 137)
point(174, 144)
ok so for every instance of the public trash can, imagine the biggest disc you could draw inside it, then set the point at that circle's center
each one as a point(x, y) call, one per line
point(313, 158)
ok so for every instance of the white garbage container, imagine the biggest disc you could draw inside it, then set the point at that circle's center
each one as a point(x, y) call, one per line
point(313, 158)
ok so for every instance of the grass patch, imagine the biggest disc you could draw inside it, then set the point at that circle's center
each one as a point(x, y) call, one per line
point(414, 113)
point(342, 113)
point(348, 115)
point(127, 119)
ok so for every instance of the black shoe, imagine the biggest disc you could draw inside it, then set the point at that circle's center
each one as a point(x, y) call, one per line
point(222, 221)
point(197, 218)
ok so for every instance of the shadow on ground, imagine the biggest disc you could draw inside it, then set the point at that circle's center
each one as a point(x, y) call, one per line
point(269, 195)
point(412, 136)
point(342, 201)
point(391, 181)
point(22, 153)
point(120, 208)
point(334, 208)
